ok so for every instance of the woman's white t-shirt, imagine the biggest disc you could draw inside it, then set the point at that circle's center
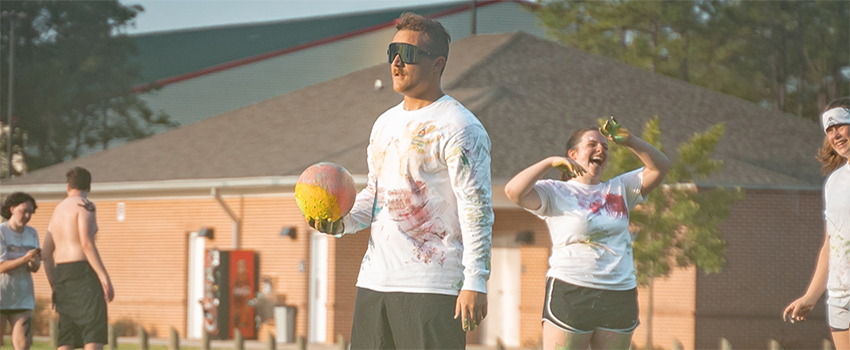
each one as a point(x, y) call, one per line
point(589, 225)
point(836, 200)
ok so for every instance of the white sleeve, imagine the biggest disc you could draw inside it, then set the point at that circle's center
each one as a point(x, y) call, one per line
point(632, 182)
point(544, 189)
point(468, 160)
point(361, 214)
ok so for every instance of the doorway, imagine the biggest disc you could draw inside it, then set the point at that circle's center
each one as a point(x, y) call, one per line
point(195, 320)
point(503, 292)
point(318, 288)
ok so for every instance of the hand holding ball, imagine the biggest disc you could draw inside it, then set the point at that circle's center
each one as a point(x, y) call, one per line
point(325, 193)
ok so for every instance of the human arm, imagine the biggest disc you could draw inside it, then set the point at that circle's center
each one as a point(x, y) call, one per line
point(361, 214)
point(520, 188)
point(798, 309)
point(655, 162)
point(468, 160)
point(47, 256)
point(86, 228)
point(35, 263)
point(9, 265)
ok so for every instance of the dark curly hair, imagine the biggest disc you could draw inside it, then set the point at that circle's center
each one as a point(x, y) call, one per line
point(13, 200)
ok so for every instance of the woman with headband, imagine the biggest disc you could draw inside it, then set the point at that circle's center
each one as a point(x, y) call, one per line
point(833, 267)
point(591, 295)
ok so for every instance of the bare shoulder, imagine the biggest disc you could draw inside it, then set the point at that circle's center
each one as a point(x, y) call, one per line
point(87, 205)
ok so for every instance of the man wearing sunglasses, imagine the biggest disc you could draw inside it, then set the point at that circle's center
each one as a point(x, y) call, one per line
point(428, 204)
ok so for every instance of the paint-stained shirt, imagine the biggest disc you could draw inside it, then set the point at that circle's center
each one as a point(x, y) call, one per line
point(427, 201)
point(836, 203)
point(589, 225)
point(16, 289)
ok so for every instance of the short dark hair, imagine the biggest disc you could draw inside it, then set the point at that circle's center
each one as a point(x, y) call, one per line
point(79, 178)
point(438, 36)
point(15, 199)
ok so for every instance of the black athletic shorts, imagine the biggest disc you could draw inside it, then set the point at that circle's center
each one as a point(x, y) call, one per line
point(78, 297)
point(10, 312)
point(582, 310)
point(405, 321)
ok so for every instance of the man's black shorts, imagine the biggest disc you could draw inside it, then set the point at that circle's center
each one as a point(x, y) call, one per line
point(78, 297)
point(405, 321)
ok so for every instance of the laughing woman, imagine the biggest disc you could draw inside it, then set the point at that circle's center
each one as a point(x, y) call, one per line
point(591, 289)
point(832, 272)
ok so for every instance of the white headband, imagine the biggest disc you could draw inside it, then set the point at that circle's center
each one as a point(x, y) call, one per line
point(835, 116)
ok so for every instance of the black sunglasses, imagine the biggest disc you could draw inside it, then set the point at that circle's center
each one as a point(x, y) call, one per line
point(409, 54)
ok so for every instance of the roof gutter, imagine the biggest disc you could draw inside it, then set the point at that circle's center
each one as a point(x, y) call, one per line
point(173, 188)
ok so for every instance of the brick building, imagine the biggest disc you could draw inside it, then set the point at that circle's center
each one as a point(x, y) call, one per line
point(529, 93)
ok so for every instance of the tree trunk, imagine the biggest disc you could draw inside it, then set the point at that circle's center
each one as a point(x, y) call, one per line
point(654, 64)
point(683, 66)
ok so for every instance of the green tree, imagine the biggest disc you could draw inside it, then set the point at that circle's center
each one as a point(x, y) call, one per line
point(788, 54)
point(73, 79)
point(678, 225)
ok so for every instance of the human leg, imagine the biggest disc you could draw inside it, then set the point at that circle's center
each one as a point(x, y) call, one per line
point(839, 324)
point(604, 339)
point(370, 329)
point(93, 346)
point(3, 320)
point(425, 321)
point(555, 338)
point(841, 339)
point(21, 329)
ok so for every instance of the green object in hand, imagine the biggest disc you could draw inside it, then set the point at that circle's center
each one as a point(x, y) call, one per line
point(614, 131)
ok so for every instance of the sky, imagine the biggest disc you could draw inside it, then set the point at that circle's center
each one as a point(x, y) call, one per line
point(162, 15)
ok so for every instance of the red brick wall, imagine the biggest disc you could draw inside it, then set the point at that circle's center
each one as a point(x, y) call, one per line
point(673, 308)
point(772, 240)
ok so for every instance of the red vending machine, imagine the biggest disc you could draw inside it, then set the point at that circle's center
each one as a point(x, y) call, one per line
point(231, 278)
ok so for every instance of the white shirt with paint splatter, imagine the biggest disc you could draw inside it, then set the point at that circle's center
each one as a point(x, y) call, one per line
point(433, 214)
point(589, 225)
point(836, 203)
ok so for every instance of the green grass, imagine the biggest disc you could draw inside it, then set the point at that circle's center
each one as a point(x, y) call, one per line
point(43, 345)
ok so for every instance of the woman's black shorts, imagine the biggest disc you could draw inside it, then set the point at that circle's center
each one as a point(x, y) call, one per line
point(582, 310)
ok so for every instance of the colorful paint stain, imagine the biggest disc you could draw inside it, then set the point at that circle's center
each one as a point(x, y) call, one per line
point(325, 191)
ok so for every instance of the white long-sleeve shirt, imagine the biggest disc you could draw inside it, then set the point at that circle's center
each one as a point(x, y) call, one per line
point(431, 221)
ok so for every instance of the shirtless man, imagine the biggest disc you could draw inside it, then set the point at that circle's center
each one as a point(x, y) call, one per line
point(81, 286)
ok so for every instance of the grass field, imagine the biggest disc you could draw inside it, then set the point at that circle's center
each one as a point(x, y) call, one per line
point(40, 345)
